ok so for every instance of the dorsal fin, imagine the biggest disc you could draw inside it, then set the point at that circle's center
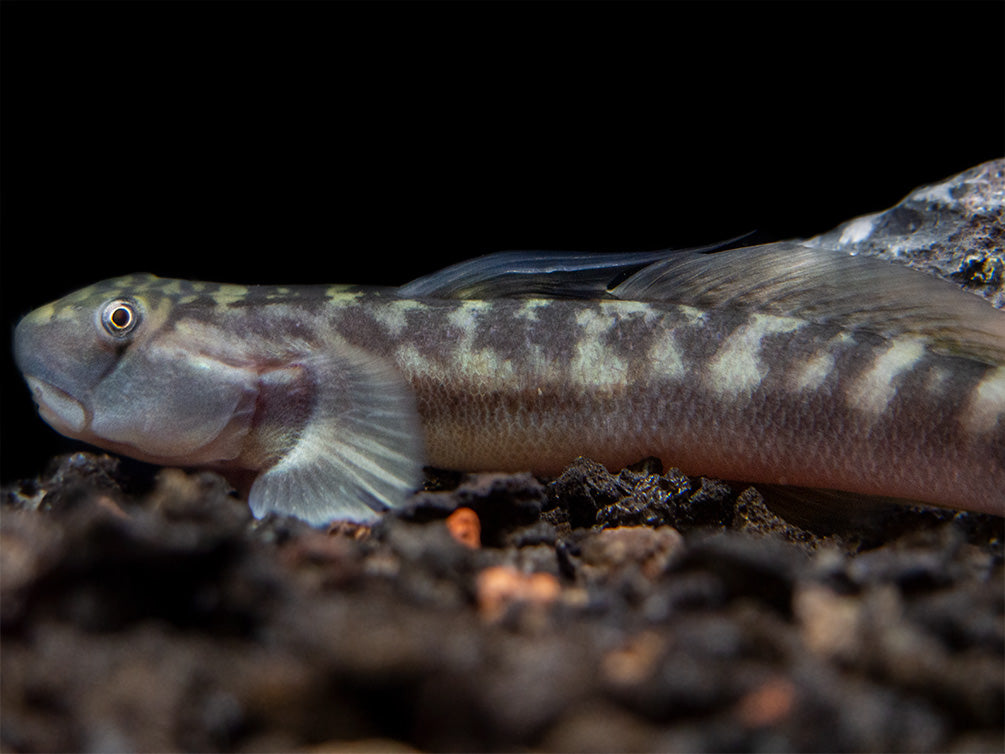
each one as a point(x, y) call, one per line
point(784, 278)
point(790, 279)
point(553, 274)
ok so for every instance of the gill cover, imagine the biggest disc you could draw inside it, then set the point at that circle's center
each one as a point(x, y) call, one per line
point(172, 405)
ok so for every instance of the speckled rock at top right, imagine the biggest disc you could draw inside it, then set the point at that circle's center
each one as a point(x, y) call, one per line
point(954, 229)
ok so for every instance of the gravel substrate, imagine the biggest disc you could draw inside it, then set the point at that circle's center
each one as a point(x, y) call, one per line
point(644, 611)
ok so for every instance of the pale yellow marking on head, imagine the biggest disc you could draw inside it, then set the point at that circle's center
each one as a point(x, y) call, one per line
point(595, 365)
point(225, 295)
point(192, 336)
point(393, 315)
point(737, 367)
point(277, 294)
point(195, 339)
point(222, 294)
point(49, 311)
point(872, 392)
point(986, 407)
point(342, 294)
point(173, 288)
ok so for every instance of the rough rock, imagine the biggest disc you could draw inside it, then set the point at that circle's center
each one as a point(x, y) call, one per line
point(954, 228)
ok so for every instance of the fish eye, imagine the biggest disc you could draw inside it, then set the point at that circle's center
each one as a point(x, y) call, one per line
point(120, 317)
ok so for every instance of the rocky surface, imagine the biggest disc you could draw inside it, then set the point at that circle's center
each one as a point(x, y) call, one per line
point(954, 229)
point(145, 610)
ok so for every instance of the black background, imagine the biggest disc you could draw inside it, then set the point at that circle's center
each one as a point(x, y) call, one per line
point(315, 142)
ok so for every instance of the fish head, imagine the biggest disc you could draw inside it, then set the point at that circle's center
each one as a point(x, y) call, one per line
point(105, 365)
point(66, 349)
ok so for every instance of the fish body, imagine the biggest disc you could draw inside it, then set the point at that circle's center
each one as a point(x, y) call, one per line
point(773, 364)
point(532, 384)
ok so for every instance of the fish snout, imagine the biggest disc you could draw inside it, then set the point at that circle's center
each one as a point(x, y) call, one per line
point(58, 385)
point(59, 409)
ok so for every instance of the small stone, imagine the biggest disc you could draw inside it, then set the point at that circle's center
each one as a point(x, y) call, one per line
point(464, 526)
point(649, 502)
point(196, 496)
point(499, 587)
point(77, 481)
point(830, 622)
point(649, 549)
point(710, 505)
point(318, 549)
point(600, 727)
point(634, 661)
point(584, 488)
point(540, 533)
point(760, 568)
point(769, 704)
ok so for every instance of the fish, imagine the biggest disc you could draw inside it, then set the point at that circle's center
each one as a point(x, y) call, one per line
point(778, 364)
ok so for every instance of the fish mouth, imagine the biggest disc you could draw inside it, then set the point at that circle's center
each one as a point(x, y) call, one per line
point(59, 409)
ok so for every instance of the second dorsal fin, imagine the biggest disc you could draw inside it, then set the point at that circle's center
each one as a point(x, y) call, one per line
point(784, 278)
point(790, 279)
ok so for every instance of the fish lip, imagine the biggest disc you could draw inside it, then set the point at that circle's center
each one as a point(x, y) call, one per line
point(58, 408)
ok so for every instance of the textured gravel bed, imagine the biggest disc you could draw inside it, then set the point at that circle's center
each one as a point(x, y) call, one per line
point(643, 611)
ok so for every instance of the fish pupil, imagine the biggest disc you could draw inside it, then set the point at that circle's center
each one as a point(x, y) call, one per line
point(121, 317)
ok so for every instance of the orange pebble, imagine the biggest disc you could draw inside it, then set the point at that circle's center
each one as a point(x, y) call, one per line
point(768, 704)
point(464, 526)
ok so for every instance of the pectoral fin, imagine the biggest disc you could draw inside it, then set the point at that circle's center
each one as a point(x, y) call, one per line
point(359, 451)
